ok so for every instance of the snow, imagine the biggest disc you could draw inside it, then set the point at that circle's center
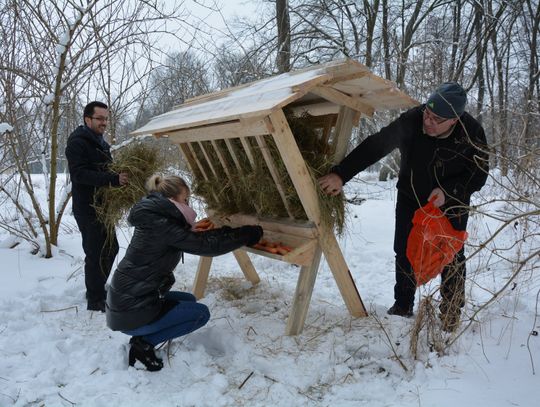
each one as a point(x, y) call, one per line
point(4, 127)
point(55, 353)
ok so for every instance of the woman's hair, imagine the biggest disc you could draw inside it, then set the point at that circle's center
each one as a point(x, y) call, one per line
point(167, 185)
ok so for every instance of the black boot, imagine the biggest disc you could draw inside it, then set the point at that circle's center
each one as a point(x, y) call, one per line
point(144, 352)
point(396, 309)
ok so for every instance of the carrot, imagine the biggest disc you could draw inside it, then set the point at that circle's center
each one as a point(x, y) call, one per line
point(281, 251)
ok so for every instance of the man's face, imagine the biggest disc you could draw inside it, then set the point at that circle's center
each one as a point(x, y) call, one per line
point(98, 121)
point(435, 125)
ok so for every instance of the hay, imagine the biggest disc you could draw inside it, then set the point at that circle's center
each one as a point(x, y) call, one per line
point(232, 180)
point(139, 160)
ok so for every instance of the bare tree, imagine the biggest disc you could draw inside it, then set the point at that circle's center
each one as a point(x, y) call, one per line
point(57, 56)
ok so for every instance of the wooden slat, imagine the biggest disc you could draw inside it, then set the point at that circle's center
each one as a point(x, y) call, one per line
point(197, 161)
point(307, 193)
point(302, 295)
point(247, 150)
point(192, 164)
point(246, 266)
point(343, 132)
point(304, 229)
point(221, 159)
point(220, 131)
point(201, 278)
point(341, 98)
point(232, 152)
point(274, 173)
point(208, 160)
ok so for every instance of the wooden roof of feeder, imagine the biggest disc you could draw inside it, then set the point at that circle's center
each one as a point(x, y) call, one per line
point(318, 90)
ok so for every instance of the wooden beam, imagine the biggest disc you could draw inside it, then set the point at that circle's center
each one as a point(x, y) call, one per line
point(342, 133)
point(305, 187)
point(246, 266)
point(274, 173)
point(201, 278)
point(343, 99)
point(302, 295)
point(208, 160)
point(219, 131)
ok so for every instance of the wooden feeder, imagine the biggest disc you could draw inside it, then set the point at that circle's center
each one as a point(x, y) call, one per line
point(336, 95)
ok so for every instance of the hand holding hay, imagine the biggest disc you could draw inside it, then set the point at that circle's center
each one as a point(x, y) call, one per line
point(135, 163)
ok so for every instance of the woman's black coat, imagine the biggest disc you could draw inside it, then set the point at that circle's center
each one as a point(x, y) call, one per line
point(134, 297)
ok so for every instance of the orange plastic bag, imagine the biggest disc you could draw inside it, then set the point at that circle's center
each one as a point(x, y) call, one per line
point(432, 243)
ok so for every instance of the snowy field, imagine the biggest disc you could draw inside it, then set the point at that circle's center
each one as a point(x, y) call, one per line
point(55, 353)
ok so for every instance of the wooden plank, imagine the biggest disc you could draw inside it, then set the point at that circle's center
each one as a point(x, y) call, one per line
point(247, 150)
point(232, 152)
point(307, 193)
point(246, 266)
point(221, 159)
point(303, 229)
point(219, 131)
point(274, 173)
point(341, 98)
point(208, 160)
point(197, 162)
point(201, 278)
point(302, 295)
point(192, 165)
point(301, 255)
point(342, 134)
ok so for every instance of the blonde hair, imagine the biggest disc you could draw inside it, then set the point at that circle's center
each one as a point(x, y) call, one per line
point(167, 185)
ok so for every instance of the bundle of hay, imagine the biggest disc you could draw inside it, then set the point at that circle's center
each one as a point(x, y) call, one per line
point(248, 186)
point(139, 160)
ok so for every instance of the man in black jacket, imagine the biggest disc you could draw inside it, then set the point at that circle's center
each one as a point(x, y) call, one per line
point(88, 156)
point(443, 157)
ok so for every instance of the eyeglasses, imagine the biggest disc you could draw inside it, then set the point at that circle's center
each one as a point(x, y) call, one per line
point(100, 119)
point(433, 117)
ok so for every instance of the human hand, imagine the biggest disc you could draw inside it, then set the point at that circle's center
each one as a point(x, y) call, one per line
point(123, 178)
point(253, 233)
point(438, 197)
point(331, 184)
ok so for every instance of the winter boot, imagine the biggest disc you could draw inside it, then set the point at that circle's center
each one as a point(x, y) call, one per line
point(396, 309)
point(144, 352)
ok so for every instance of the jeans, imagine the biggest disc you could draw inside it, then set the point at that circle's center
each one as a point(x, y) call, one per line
point(187, 316)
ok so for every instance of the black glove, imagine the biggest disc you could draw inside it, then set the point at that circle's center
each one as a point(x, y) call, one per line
point(252, 234)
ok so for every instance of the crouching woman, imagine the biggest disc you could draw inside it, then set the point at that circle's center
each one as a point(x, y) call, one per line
point(139, 300)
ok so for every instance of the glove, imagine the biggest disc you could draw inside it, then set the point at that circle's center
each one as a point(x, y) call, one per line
point(252, 234)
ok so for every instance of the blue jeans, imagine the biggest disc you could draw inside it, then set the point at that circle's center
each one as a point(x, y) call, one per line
point(187, 316)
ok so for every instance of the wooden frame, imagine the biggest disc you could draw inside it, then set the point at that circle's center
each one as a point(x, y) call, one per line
point(339, 93)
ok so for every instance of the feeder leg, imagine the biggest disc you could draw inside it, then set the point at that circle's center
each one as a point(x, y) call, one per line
point(201, 278)
point(302, 296)
point(246, 266)
point(342, 275)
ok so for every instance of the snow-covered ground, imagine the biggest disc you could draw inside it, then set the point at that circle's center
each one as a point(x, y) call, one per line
point(55, 353)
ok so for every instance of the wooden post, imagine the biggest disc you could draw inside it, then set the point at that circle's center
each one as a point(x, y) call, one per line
point(201, 278)
point(246, 266)
point(302, 295)
point(303, 183)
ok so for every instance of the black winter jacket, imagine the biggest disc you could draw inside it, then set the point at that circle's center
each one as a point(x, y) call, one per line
point(135, 295)
point(458, 164)
point(88, 156)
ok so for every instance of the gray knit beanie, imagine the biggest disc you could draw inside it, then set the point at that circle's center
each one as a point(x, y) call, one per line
point(448, 100)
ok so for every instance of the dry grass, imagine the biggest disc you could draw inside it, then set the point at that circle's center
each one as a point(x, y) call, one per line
point(139, 160)
point(244, 184)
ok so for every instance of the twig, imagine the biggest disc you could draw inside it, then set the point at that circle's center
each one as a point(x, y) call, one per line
point(63, 398)
point(390, 342)
point(62, 309)
point(94, 371)
point(532, 333)
point(245, 380)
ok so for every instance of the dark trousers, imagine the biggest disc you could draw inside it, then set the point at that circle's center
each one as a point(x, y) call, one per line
point(453, 276)
point(186, 316)
point(100, 251)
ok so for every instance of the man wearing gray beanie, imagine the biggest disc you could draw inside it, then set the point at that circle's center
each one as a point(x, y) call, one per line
point(444, 158)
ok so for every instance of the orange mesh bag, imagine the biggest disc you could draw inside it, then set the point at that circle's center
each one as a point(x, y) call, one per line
point(432, 243)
